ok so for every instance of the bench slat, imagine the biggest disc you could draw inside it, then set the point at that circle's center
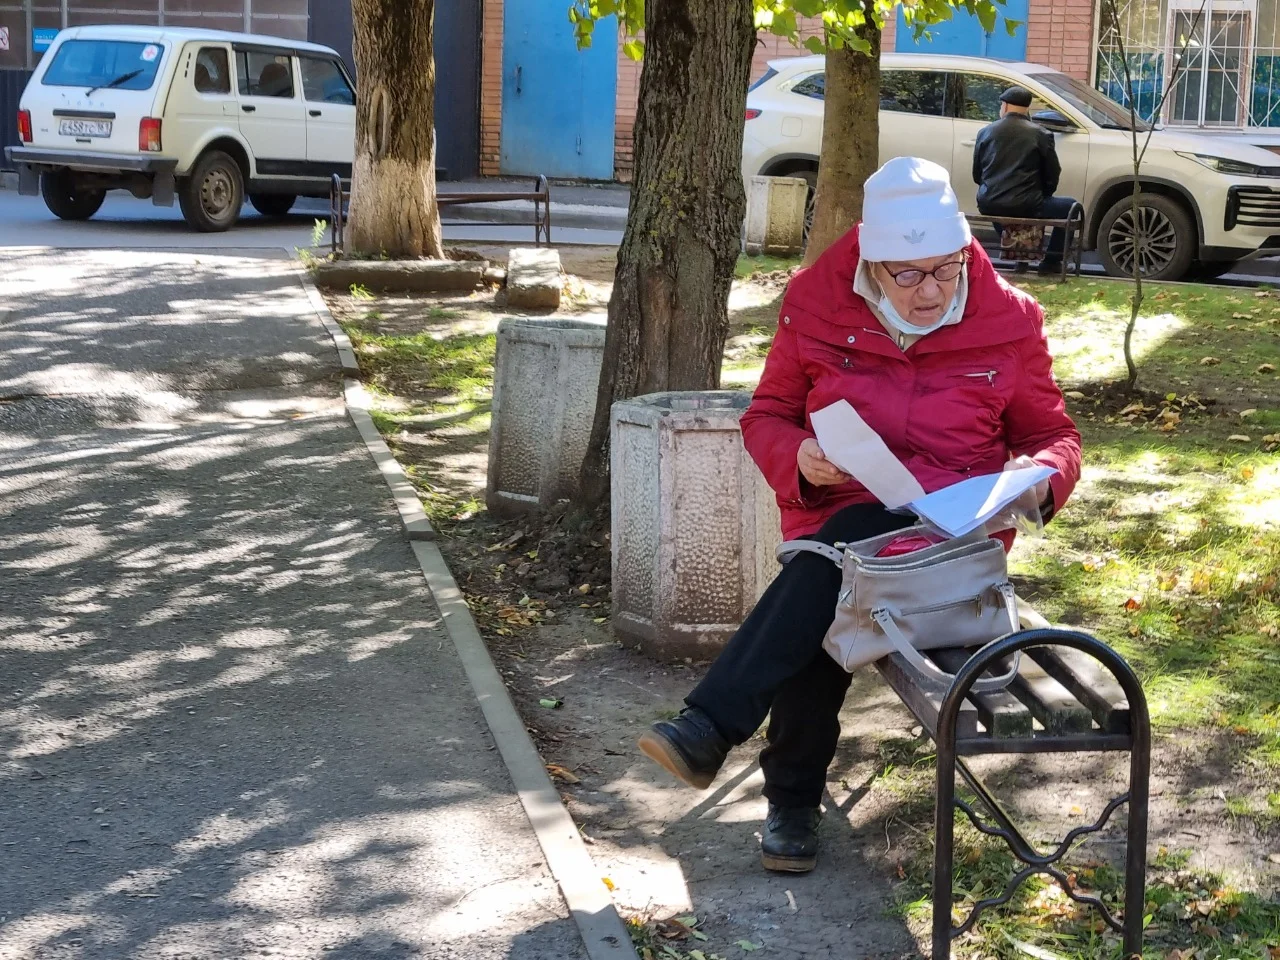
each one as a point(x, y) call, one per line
point(1001, 712)
point(1048, 700)
point(1092, 685)
point(923, 703)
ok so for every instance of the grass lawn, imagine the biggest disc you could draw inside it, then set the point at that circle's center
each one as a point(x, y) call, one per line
point(1170, 551)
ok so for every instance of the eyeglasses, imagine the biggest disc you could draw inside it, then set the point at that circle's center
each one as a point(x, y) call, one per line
point(913, 277)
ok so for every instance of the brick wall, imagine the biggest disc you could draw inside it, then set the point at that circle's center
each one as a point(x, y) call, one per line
point(1060, 34)
point(491, 88)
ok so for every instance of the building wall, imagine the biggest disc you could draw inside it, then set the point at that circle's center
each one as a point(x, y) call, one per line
point(491, 88)
point(1060, 34)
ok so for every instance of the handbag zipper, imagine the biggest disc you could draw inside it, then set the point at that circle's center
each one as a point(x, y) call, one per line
point(946, 605)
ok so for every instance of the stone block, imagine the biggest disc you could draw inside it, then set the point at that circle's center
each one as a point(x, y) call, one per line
point(695, 525)
point(775, 216)
point(544, 397)
point(400, 276)
point(534, 278)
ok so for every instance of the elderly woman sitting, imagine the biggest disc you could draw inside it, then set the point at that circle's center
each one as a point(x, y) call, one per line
point(906, 319)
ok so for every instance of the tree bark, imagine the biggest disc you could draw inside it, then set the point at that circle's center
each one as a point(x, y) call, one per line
point(393, 182)
point(850, 138)
point(668, 316)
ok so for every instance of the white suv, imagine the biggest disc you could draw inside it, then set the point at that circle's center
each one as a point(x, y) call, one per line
point(207, 116)
point(1208, 201)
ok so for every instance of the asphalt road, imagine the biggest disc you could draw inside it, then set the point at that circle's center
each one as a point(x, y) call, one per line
point(231, 724)
point(126, 223)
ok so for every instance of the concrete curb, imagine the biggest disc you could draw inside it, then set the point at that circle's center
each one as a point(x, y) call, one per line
point(8, 180)
point(346, 354)
point(416, 524)
point(581, 884)
point(603, 933)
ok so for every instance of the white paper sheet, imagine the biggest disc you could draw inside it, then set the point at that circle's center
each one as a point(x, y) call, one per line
point(859, 451)
point(966, 505)
point(849, 443)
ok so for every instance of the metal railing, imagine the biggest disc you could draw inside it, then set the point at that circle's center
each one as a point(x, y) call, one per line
point(540, 197)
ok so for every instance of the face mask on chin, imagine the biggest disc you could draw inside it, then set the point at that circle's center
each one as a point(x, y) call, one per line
point(895, 320)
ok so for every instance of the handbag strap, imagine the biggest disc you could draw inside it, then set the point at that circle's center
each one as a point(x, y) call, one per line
point(884, 619)
point(787, 551)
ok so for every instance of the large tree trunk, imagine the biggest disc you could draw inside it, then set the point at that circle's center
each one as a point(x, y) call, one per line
point(850, 138)
point(393, 183)
point(668, 316)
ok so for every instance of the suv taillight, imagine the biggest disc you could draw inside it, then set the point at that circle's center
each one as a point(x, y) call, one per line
point(24, 126)
point(752, 113)
point(149, 135)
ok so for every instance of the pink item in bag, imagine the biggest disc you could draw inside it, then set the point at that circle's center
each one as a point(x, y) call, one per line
point(908, 543)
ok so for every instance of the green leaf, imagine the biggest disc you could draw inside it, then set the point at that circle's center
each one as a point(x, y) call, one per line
point(815, 45)
point(809, 8)
point(634, 49)
point(1012, 26)
point(987, 15)
point(748, 946)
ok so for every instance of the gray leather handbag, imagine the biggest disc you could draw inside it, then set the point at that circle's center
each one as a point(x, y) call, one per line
point(951, 594)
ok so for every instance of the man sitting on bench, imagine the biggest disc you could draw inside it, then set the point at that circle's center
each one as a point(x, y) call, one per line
point(1016, 169)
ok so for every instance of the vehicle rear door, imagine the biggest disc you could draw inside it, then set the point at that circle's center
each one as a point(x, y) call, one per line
point(272, 115)
point(201, 98)
point(913, 116)
point(331, 116)
point(976, 100)
point(94, 93)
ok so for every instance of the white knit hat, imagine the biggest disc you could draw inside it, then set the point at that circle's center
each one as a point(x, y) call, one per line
point(910, 212)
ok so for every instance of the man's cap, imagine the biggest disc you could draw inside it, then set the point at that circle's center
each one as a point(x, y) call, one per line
point(1017, 97)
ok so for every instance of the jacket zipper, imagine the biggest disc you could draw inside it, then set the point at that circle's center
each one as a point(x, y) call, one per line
point(989, 375)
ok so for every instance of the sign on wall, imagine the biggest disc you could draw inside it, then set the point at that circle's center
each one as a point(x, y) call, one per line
point(42, 38)
point(4, 38)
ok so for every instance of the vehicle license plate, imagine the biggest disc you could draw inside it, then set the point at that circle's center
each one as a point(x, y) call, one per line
point(84, 128)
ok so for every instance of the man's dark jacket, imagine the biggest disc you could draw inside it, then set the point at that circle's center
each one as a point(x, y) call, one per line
point(1015, 166)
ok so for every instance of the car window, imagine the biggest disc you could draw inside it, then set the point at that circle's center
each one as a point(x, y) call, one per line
point(814, 86)
point(264, 74)
point(119, 64)
point(213, 72)
point(323, 81)
point(979, 97)
point(913, 91)
point(764, 78)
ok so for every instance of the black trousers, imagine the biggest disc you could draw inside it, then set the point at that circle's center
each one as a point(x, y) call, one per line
point(775, 666)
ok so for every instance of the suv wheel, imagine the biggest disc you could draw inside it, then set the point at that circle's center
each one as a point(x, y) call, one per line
point(212, 196)
point(1162, 238)
point(272, 204)
point(67, 202)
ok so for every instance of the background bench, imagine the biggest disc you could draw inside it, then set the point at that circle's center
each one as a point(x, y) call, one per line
point(1072, 694)
point(1012, 230)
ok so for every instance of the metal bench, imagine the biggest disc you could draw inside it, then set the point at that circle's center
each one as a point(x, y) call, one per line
point(1023, 239)
point(1072, 694)
point(540, 196)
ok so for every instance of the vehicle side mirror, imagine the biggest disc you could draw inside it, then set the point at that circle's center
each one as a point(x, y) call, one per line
point(1054, 121)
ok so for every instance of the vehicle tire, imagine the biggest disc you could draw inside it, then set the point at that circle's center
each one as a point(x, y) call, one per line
point(1168, 242)
point(211, 197)
point(273, 204)
point(65, 201)
point(811, 178)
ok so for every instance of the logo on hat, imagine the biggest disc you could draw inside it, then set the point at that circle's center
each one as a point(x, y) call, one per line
point(915, 236)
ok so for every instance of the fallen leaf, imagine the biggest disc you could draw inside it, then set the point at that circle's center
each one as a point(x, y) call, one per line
point(1240, 316)
point(609, 883)
point(1074, 395)
point(1132, 604)
point(585, 588)
point(1248, 413)
point(560, 773)
point(1209, 361)
point(551, 703)
point(1266, 368)
point(1240, 730)
point(1239, 438)
point(748, 946)
point(1246, 472)
point(1274, 857)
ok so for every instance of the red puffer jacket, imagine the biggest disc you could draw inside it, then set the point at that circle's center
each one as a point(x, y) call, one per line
point(958, 403)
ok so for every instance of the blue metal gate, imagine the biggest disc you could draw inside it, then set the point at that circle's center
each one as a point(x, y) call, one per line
point(963, 35)
point(558, 104)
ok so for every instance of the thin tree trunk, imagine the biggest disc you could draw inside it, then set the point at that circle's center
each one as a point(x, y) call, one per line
point(393, 183)
point(850, 138)
point(668, 316)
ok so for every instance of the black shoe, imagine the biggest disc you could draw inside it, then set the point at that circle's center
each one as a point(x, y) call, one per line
point(689, 747)
point(790, 839)
point(1049, 267)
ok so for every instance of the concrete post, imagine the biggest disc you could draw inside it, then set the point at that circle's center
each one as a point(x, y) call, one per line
point(694, 523)
point(775, 216)
point(544, 396)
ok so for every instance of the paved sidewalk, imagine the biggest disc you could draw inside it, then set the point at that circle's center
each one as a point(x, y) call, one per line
point(231, 724)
